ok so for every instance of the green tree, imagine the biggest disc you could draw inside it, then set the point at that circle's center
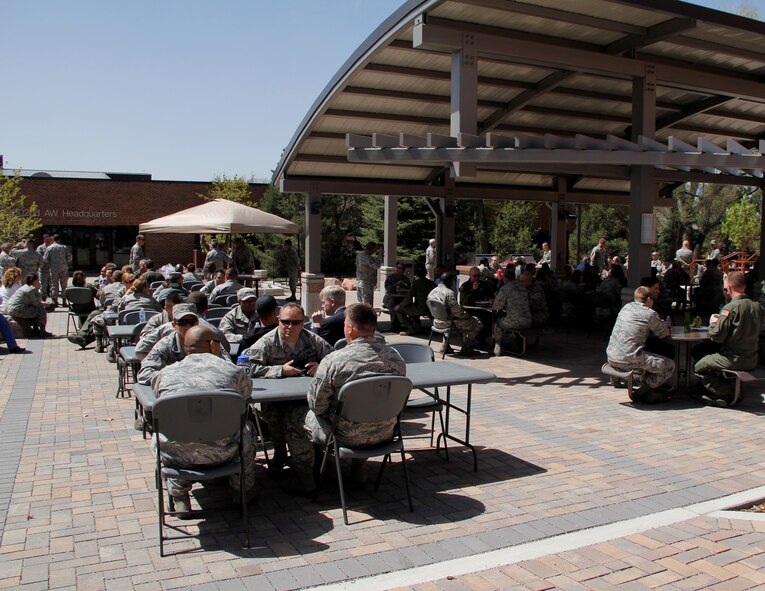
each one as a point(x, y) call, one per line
point(233, 188)
point(601, 221)
point(267, 247)
point(515, 225)
point(17, 220)
point(742, 224)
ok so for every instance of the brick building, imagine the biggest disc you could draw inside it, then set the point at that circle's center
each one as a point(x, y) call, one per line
point(97, 214)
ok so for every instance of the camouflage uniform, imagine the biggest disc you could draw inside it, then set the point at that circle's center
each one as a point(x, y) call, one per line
point(155, 322)
point(598, 257)
point(58, 257)
point(216, 260)
point(635, 323)
point(268, 355)
point(469, 326)
point(149, 338)
point(430, 262)
point(366, 276)
point(226, 288)
point(28, 260)
point(236, 326)
point(168, 350)
point(243, 260)
point(291, 263)
point(136, 254)
point(110, 293)
point(513, 298)
point(685, 256)
point(538, 305)
point(363, 357)
point(208, 288)
point(136, 301)
point(204, 372)
point(735, 338)
point(6, 262)
point(45, 275)
point(26, 305)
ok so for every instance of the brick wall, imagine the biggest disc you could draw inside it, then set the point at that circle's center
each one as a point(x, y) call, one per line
point(110, 203)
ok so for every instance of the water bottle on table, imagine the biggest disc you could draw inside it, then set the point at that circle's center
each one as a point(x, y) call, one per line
point(243, 362)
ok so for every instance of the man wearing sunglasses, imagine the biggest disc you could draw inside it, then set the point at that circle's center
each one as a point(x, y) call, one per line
point(169, 349)
point(290, 350)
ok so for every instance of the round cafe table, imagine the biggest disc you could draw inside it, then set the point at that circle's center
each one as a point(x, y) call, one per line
point(679, 336)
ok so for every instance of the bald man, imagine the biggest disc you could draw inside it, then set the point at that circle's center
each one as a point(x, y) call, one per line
point(203, 369)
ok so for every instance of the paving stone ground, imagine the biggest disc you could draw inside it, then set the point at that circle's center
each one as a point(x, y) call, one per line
point(559, 451)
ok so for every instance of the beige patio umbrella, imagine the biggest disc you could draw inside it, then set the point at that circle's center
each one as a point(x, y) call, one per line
point(220, 216)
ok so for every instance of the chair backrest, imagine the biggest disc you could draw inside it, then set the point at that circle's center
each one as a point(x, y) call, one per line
point(78, 295)
point(373, 400)
point(222, 299)
point(195, 287)
point(137, 330)
point(414, 352)
point(439, 311)
point(232, 300)
point(190, 285)
point(340, 344)
point(199, 417)
point(155, 284)
point(214, 321)
point(217, 312)
point(129, 316)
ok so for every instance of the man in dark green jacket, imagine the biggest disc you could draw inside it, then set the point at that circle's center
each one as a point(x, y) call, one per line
point(735, 333)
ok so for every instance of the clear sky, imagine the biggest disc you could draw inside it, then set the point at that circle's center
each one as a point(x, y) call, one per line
point(180, 89)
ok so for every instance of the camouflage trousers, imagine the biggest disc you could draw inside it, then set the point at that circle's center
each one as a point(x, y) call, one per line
point(45, 279)
point(276, 415)
point(504, 325)
point(469, 328)
point(206, 456)
point(365, 292)
point(59, 280)
point(656, 369)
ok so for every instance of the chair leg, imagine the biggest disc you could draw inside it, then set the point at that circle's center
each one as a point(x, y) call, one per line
point(321, 473)
point(380, 473)
point(340, 485)
point(161, 509)
point(260, 434)
point(406, 479)
point(443, 431)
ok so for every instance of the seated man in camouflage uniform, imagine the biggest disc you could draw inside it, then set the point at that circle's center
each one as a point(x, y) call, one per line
point(468, 326)
point(364, 356)
point(290, 350)
point(242, 320)
point(230, 286)
point(735, 333)
point(512, 300)
point(626, 349)
point(202, 370)
point(169, 349)
point(414, 304)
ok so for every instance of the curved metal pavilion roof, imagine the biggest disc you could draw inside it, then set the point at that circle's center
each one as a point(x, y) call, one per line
point(551, 74)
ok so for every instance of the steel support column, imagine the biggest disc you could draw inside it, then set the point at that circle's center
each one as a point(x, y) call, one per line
point(390, 241)
point(643, 189)
point(312, 280)
point(464, 103)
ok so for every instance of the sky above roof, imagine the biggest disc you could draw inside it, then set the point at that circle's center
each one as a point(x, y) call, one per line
point(180, 89)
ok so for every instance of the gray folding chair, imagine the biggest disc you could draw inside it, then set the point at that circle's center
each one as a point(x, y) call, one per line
point(369, 400)
point(432, 403)
point(216, 313)
point(128, 363)
point(198, 417)
point(438, 311)
point(80, 304)
point(340, 344)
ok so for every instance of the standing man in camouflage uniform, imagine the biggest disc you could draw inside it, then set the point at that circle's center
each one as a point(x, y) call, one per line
point(216, 259)
point(598, 256)
point(6, 259)
point(626, 349)
point(684, 255)
point(45, 275)
point(59, 258)
point(242, 258)
point(469, 326)
point(202, 370)
point(363, 357)
point(27, 259)
point(290, 350)
point(291, 264)
point(430, 259)
point(136, 253)
point(366, 273)
point(735, 334)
